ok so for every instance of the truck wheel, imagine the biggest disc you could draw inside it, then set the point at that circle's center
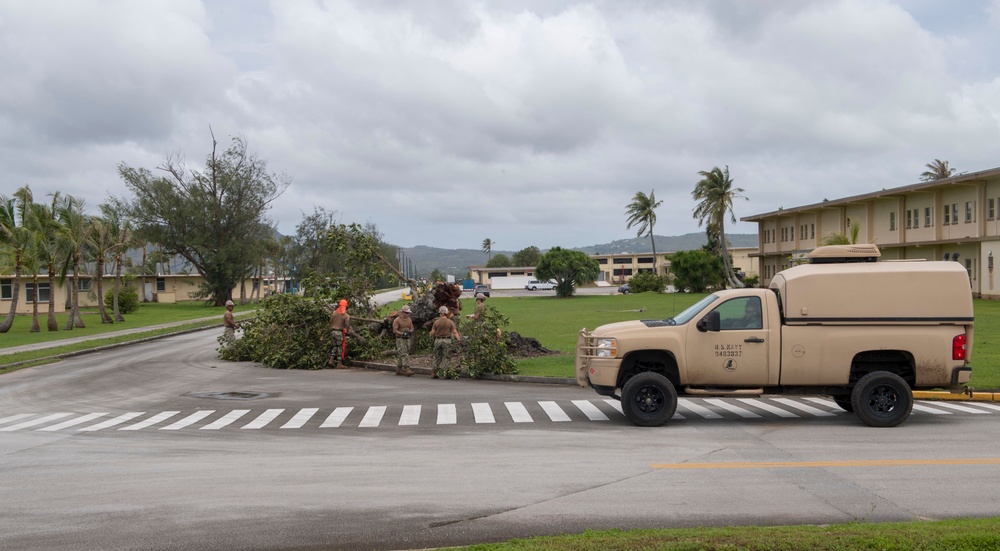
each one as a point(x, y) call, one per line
point(882, 399)
point(649, 399)
point(844, 402)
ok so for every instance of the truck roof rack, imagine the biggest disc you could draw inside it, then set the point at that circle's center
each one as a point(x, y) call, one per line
point(840, 254)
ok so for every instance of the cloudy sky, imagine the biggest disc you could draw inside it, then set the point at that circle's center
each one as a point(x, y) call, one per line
point(529, 122)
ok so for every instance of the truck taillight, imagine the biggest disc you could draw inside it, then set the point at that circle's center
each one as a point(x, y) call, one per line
point(958, 348)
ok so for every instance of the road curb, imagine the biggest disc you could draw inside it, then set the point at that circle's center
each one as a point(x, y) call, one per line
point(966, 395)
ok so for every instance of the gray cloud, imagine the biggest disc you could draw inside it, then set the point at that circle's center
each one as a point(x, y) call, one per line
point(532, 123)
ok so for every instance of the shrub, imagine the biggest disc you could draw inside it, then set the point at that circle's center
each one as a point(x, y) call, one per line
point(647, 281)
point(128, 300)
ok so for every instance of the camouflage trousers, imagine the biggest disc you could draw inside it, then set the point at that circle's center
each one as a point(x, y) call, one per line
point(442, 355)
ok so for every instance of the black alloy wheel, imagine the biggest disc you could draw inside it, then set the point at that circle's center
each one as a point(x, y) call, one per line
point(649, 399)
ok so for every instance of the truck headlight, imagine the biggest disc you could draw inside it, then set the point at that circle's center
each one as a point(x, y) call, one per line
point(606, 348)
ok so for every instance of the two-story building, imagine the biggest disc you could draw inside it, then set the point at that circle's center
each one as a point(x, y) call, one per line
point(957, 219)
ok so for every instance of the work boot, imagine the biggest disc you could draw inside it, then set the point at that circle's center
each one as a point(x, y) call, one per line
point(400, 372)
point(408, 372)
point(332, 362)
point(434, 374)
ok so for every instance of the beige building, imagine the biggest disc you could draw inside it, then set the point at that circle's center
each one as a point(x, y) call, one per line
point(619, 268)
point(161, 288)
point(957, 218)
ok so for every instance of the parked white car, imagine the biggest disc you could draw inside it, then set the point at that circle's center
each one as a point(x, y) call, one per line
point(535, 285)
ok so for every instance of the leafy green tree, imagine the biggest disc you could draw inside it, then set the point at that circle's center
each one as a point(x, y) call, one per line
point(695, 271)
point(499, 261)
point(937, 170)
point(715, 194)
point(528, 256)
point(568, 269)
point(214, 218)
point(488, 248)
point(101, 244)
point(641, 212)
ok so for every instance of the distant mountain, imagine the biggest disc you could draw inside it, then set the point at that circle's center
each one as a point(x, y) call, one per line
point(456, 262)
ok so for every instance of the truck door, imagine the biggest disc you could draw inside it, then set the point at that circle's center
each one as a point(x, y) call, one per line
point(737, 354)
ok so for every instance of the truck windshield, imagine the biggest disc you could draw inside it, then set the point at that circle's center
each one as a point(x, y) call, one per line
point(686, 315)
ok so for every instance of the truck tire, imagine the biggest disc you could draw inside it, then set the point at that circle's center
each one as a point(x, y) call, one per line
point(649, 399)
point(882, 399)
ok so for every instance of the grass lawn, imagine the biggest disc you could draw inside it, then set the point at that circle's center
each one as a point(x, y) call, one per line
point(951, 535)
point(555, 323)
point(150, 313)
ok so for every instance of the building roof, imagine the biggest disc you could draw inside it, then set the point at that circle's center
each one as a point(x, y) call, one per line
point(965, 177)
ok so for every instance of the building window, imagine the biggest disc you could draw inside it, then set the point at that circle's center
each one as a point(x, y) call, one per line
point(970, 266)
point(6, 289)
point(947, 215)
point(645, 260)
point(623, 260)
point(954, 213)
point(892, 221)
point(990, 209)
point(602, 260)
point(43, 292)
point(812, 231)
point(909, 219)
point(84, 284)
point(618, 272)
point(161, 285)
point(970, 209)
point(928, 218)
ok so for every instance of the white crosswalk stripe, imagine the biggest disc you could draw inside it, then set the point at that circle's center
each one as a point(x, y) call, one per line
point(517, 412)
point(483, 413)
point(921, 408)
point(555, 413)
point(189, 420)
point(447, 414)
point(35, 422)
point(300, 418)
point(123, 418)
point(226, 419)
point(263, 419)
point(162, 416)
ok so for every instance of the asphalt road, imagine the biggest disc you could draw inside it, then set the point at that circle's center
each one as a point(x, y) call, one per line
point(163, 446)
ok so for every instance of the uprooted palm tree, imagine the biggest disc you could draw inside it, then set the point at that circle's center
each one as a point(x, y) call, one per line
point(641, 212)
point(715, 194)
point(937, 170)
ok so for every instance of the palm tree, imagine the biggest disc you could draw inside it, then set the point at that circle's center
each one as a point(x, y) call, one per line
point(642, 213)
point(16, 238)
point(102, 244)
point(488, 248)
point(73, 230)
point(121, 240)
point(49, 250)
point(844, 238)
point(937, 170)
point(715, 194)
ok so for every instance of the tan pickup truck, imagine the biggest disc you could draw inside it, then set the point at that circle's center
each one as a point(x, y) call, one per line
point(864, 332)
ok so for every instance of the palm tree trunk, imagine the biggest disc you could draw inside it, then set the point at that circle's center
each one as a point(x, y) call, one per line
point(75, 320)
point(731, 278)
point(8, 321)
point(142, 291)
point(34, 306)
point(118, 286)
point(105, 318)
point(52, 324)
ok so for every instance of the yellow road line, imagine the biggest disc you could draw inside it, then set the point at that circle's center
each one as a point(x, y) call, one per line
point(861, 463)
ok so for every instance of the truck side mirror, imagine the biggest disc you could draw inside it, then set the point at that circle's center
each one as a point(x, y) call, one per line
point(711, 322)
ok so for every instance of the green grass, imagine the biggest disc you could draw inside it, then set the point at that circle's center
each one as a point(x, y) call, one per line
point(951, 535)
point(151, 313)
point(555, 323)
